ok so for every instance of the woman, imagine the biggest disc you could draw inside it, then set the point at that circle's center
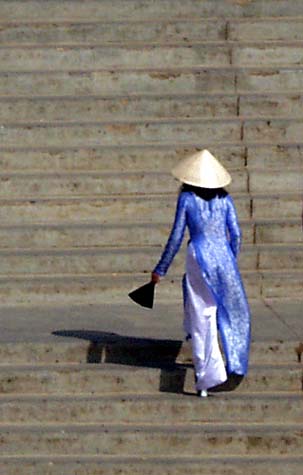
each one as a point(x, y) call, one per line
point(212, 287)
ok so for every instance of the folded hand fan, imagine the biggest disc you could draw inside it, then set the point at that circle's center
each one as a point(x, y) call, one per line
point(144, 295)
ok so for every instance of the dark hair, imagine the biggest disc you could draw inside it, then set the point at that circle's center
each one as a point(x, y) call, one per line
point(206, 194)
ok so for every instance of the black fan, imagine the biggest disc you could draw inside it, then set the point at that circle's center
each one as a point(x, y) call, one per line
point(144, 295)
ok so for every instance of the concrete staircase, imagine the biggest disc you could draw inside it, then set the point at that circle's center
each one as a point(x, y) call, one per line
point(131, 411)
point(98, 99)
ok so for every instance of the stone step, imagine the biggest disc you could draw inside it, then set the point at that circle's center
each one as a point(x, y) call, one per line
point(118, 210)
point(263, 80)
point(160, 31)
point(194, 465)
point(113, 348)
point(156, 409)
point(267, 55)
point(67, 235)
point(274, 157)
point(44, 185)
point(90, 235)
point(260, 208)
point(93, 108)
point(21, 185)
point(272, 284)
point(58, 289)
point(125, 133)
point(165, 440)
point(123, 159)
point(151, 81)
point(75, 10)
point(123, 260)
point(282, 105)
point(213, 54)
point(156, 31)
point(144, 158)
point(115, 378)
point(79, 289)
point(283, 29)
point(153, 131)
point(274, 180)
point(281, 130)
point(238, 47)
point(273, 232)
point(104, 288)
point(68, 58)
point(176, 81)
point(125, 209)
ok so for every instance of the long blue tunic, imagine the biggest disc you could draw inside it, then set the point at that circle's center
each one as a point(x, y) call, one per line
point(215, 233)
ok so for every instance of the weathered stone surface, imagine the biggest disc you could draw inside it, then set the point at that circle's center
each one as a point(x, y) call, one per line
point(281, 206)
point(164, 439)
point(124, 260)
point(90, 235)
point(145, 158)
point(132, 408)
point(22, 186)
point(265, 80)
point(100, 32)
point(280, 257)
point(283, 232)
point(273, 29)
point(287, 465)
point(275, 157)
point(141, 158)
point(110, 379)
point(115, 209)
point(84, 184)
point(127, 260)
point(99, 289)
point(83, 262)
point(68, 58)
point(121, 133)
point(271, 106)
point(276, 181)
point(267, 55)
point(157, 81)
point(138, 10)
point(278, 284)
point(289, 309)
point(273, 130)
point(108, 108)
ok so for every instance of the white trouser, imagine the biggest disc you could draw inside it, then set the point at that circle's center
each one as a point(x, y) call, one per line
point(200, 322)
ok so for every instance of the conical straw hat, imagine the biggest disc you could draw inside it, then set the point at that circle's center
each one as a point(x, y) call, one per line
point(203, 170)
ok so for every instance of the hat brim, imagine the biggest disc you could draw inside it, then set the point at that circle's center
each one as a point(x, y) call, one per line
point(200, 183)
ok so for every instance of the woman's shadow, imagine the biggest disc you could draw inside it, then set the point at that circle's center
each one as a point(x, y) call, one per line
point(105, 347)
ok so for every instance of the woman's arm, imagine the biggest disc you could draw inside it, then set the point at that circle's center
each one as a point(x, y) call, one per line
point(174, 240)
point(233, 227)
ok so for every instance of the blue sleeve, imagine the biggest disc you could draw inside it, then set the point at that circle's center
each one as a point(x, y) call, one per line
point(175, 239)
point(233, 227)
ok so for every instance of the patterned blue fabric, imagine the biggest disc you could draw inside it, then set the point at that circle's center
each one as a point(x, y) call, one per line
point(216, 236)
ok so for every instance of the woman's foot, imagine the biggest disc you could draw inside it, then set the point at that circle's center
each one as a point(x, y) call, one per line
point(202, 393)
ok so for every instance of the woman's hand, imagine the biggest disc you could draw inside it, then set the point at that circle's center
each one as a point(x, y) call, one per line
point(155, 278)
